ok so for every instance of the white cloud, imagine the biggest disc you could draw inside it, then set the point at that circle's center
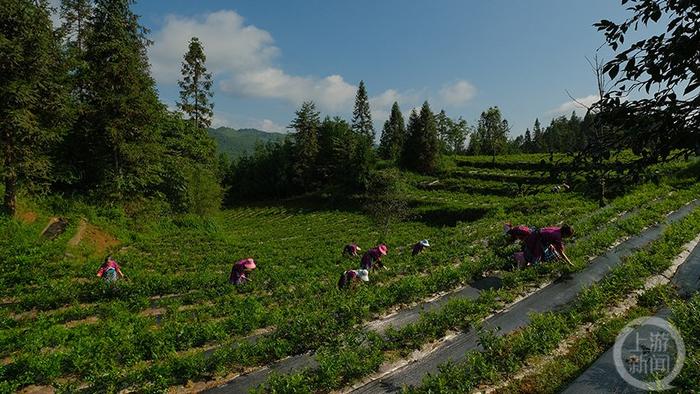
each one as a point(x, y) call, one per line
point(330, 93)
point(573, 105)
point(268, 125)
point(457, 93)
point(240, 57)
point(230, 46)
point(381, 104)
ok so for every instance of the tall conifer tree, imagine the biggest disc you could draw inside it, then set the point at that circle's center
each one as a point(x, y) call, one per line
point(123, 111)
point(393, 135)
point(31, 94)
point(361, 116)
point(195, 86)
point(422, 148)
point(306, 125)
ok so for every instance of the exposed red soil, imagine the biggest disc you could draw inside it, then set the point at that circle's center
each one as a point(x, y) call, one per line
point(87, 233)
point(28, 217)
point(33, 389)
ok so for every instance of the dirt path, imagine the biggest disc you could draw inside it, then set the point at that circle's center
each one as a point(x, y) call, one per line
point(78, 234)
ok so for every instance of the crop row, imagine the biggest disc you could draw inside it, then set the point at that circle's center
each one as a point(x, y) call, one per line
point(118, 306)
point(334, 346)
point(501, 355)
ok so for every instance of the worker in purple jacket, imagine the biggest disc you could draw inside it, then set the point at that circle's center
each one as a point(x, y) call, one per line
point(240, 271)
point(545, 244)
point(351, 250)
point(350, 278)
point(373, 257)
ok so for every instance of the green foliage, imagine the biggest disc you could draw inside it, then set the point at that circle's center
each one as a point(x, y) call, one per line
point(346, 156)
point(306, 126)
point(393, 135)
point(491, 134)
point(120, 149)
point(236, 143)
point(452, 133)
point(665, 124)
point(195, 86)
point(361, 115)
point(200, 309)
point(31, 76)
point(422, 147)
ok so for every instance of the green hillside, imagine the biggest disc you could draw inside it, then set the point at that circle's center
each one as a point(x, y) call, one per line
point(235, 143)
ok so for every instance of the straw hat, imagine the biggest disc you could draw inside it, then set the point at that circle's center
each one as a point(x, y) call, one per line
point(425, 243)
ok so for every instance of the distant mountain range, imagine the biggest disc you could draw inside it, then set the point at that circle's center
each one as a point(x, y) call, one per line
point(235, 143)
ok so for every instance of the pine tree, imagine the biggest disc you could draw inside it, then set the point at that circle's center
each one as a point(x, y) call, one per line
point(31, 94)
point(75, 28)
point(306, 125)
point(195, 86)
point(422, 148)
point(537, 138)
point(123, 111)
point(361, 116)
point(75, 16)
point(393, 135)
point(527, 141)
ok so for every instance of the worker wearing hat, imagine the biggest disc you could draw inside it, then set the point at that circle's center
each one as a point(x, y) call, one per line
point(350, 278)
point(351, 250)
point(240, 271)
point(417, 248)
point(373, 257)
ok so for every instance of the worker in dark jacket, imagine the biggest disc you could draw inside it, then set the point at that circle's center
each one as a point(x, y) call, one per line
point(417, 248)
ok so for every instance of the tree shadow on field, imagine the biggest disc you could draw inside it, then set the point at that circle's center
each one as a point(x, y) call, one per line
point(308, 203)
point(449, 217)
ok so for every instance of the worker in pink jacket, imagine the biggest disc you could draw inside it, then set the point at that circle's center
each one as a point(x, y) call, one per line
point(373, 257)
point(110, 270)
point(240, 271)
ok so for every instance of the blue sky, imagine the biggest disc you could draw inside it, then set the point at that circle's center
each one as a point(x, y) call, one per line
point(463, 56)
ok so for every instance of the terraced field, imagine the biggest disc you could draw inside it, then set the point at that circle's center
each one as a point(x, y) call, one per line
point(175, 322)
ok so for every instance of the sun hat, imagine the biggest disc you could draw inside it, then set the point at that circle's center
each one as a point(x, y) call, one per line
point(248, 263)
point(425, 243)
point(382, 249)
point(363, 275)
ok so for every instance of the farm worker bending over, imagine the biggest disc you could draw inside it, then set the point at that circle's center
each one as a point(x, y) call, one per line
point(518, 233)
point(350, 278)
point(351, 250)
point(240, 269)
point(417, 248)
point(373, 257)
point(110, 270)
point(544, 244)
